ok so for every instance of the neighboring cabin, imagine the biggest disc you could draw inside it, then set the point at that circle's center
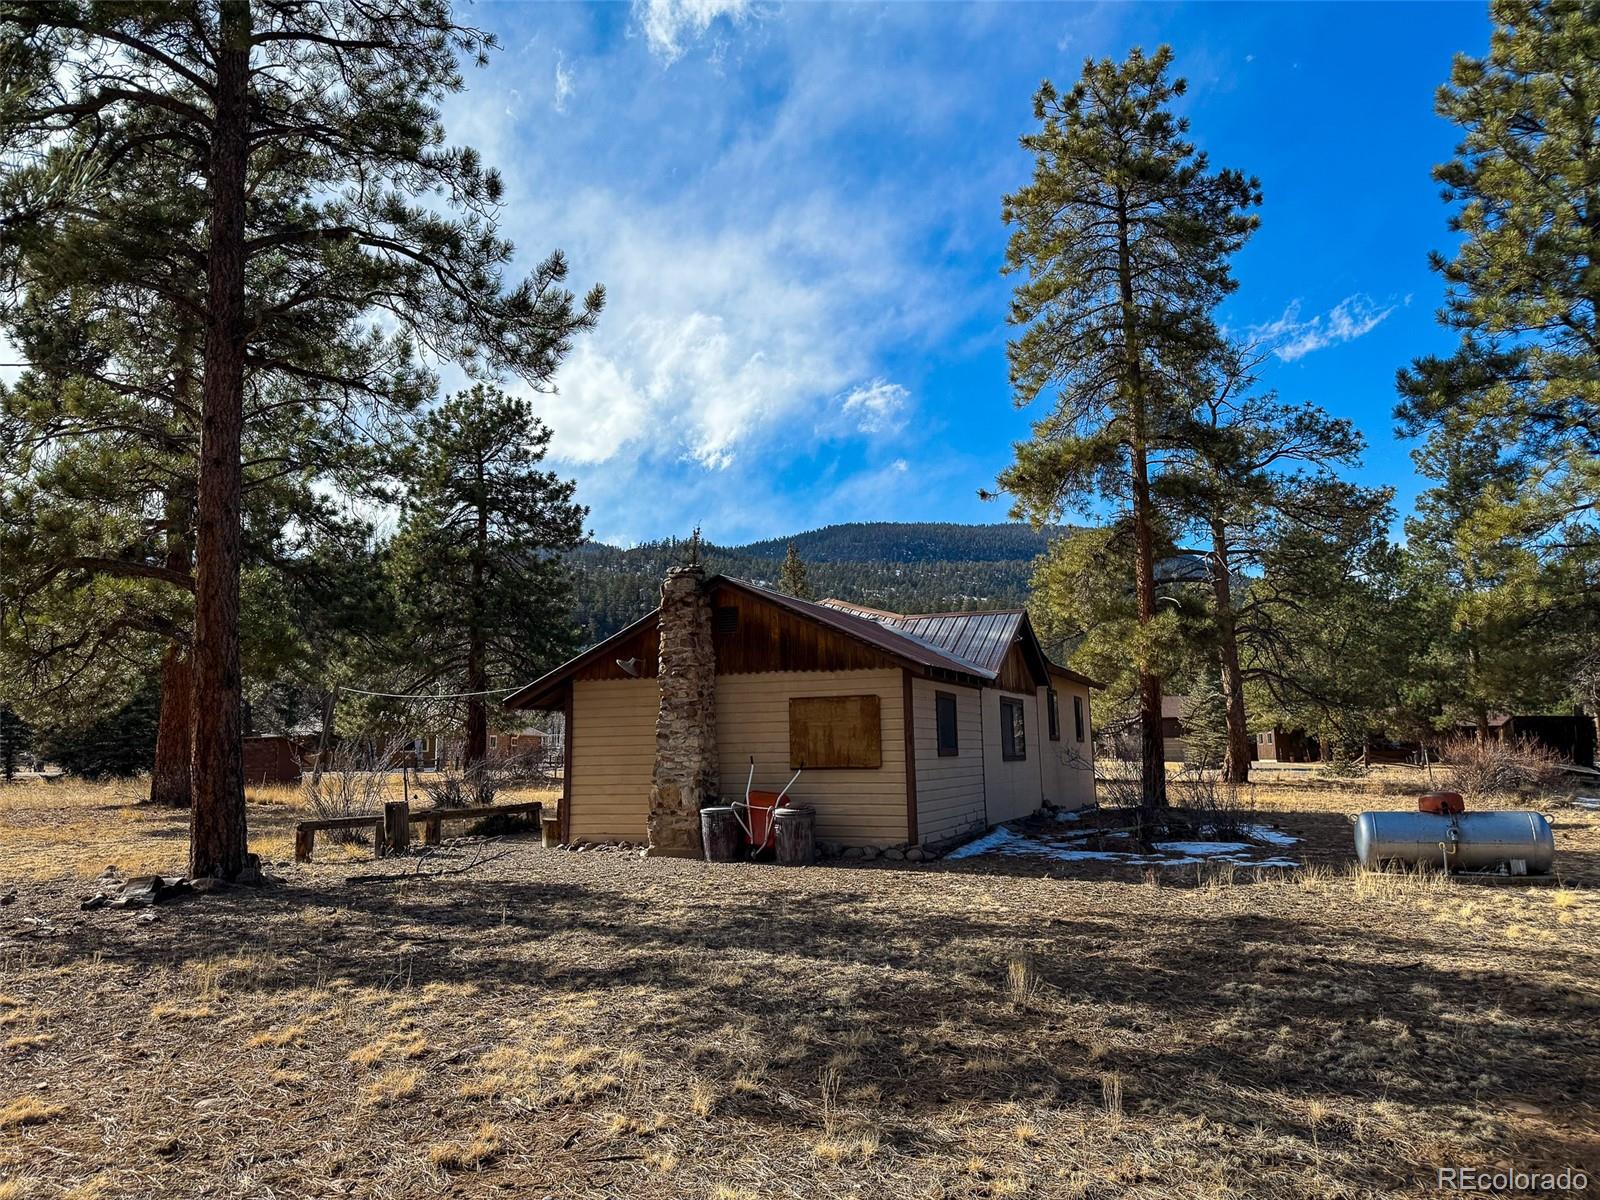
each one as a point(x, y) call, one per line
point(918, 729)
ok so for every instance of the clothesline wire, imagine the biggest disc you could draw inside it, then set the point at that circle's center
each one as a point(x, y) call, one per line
point(433, 696)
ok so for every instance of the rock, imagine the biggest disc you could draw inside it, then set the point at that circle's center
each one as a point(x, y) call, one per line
point(148, 916)
point(145, 890)
point(915, 854)
point(250, 876)
point(893, 854)
point(206, 884)
point(854, 852)
point(870, 852)
point(98, 900)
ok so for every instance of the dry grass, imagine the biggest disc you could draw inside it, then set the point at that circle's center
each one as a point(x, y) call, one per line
point(76, 828)
point(609, 1025)
point(28, 1111)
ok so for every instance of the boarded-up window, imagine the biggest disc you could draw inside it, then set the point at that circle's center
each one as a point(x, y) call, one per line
point(835, 732)
point(944, 708)
point(1013, 731)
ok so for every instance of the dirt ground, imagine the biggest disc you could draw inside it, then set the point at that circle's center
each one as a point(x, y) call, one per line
point(548, 1023)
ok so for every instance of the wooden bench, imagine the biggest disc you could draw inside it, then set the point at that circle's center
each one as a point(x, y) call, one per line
point(391, 829)
point(305, 832)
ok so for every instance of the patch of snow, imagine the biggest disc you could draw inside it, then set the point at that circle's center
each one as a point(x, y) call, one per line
point(1203, 849)
point(1266, 833)
point(1001, 840)
point(1587, 801)
point(1063, 815)
point(996, 838)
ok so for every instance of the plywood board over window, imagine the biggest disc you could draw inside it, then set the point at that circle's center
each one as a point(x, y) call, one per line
point(835, 733)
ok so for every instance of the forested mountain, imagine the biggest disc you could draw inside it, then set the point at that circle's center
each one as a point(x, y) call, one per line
point(904, 566)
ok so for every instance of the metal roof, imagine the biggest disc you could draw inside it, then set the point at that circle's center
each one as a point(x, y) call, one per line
point(856, 623)
point(980, 639)
point(905, 646)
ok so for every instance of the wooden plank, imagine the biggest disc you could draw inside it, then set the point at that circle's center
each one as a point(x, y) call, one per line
point(483, 810)
point(908, 720)
point(564, 808)
point(321, 823)
point(835, 732)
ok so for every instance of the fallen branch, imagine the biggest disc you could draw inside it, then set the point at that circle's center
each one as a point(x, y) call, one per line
point(397, 876)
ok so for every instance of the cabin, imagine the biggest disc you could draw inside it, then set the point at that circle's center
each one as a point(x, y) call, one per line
point(908, 729)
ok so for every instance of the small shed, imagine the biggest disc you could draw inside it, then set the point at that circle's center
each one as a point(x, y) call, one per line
point(271, 758)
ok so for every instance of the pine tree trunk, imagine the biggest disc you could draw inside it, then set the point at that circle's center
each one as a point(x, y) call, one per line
point(1236, 761)
point(169, 779)
point(217, 843)
point(477, 669)
point(324, 735)
point(1153, 754)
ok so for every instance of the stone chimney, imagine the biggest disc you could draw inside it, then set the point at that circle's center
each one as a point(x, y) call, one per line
point(686, 774)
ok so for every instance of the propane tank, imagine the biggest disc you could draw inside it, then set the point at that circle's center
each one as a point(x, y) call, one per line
point(1471, 841)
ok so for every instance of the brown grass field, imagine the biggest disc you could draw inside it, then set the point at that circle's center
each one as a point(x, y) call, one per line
point(595, 1024)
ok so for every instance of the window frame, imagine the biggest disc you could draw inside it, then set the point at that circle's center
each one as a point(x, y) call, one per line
point(1078, 722)
point(1054, 713)
point(953, 749)
point(1013, 731)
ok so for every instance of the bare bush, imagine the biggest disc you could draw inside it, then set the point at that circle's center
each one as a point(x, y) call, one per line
point(1490, 767)
point(455, 786)
point(353, 780)
point(1221, 809)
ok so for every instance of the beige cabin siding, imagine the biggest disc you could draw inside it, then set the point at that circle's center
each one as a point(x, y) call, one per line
point(861, 807)
point(1068, 765)
point(1013, 789)
point(949, 789)
point(613, 758)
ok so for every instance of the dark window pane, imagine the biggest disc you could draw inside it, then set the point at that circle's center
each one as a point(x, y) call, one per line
point(1077, 716)
point(1055, 716)
point(944, 705)
point(1013, 732)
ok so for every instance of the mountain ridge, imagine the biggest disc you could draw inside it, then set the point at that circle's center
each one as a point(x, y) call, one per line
point(904, 566)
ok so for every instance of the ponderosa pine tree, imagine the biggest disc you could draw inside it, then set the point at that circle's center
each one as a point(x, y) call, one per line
point(1124, 236)
point(330, 195)
point(792, 578)
point(1498, 616)
point(1247, 468)
point(482, 590)
point(1520, 395)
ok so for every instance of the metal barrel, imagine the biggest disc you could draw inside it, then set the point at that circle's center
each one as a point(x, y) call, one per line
point(1471, 841)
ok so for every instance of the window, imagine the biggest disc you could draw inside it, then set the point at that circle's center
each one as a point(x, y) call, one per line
point(944, 709)
point(1055, 716)
point(835, 732)
point(1013, 731)
point(1077, 717)
point(494, 743)
point(725, 619)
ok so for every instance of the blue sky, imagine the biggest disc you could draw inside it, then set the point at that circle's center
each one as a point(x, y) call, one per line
point(796, 212)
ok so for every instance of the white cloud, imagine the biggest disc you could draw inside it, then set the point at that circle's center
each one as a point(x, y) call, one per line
point(668, 24)
point(876, 407)
point(1292, 338)
point(723, 338)
point(563, 84)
